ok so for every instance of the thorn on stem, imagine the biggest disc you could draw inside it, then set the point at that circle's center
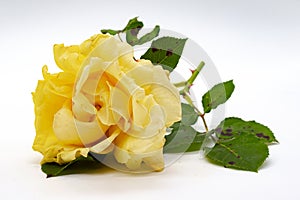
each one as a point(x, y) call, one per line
point(192, 70)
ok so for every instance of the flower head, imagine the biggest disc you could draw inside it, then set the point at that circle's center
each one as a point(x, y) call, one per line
point(103, 101)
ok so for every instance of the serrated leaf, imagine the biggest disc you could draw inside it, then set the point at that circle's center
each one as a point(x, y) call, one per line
point(216, 96)
point(165, 51)
point(79, 165)
point(233, 126)
point(189, 116)
point(244, 151)
point(132, 39)
point(183, 138)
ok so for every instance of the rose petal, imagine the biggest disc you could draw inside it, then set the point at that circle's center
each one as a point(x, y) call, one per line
point(82, 108)
point(70, 58)
point(103, 146)
point(156, 82)
point(72, 131)
point(131, 150)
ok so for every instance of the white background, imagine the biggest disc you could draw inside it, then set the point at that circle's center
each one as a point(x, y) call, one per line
point(256, 43)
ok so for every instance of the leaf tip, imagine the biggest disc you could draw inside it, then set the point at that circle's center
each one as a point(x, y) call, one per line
point(49, 175)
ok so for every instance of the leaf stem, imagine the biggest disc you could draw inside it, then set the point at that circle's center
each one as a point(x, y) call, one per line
point(204, 122)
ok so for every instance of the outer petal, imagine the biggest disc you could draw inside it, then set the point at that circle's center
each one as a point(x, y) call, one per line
point(62, 154)
point(133, 151)
point(47, 102)
point(60, 84)
point(70, 58)
point(111, 50)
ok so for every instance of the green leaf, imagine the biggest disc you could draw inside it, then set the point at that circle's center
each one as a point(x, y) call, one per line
point(241, 144)
point(183, 138)
point(232, 126)
point(110, 31)
point(197, 142)
point(132, 39)
point(216, 96)
point(165, 51)
point(133, 23)
point(189, 116)
point(132, 30)
point(79, 165)
point(244, 151)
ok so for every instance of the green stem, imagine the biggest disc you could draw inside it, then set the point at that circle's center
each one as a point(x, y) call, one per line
point(204, 122)
point(195, 73)
point(193, 77)
point(185, 92)
point(180, 84)
point(189, 100)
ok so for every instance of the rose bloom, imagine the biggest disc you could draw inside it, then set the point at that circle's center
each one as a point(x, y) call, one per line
point(103, 101)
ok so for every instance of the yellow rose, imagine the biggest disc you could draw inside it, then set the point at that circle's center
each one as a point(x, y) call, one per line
point(104, 102)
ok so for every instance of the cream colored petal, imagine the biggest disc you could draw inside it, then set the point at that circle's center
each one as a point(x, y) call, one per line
point(111, 49)
point(92, 71)
point(104, 114)
point(140, 145)
point(62, 154)
point(120, 107)
point(67, 155)
point(169, 102)
point(84, 75)
point(82, 108)
point(107, 50)
point(90, 132)
point(140, 112)
point(156, 82)
point(133, 161)
point(127, 62)
point(101, 147)
point(153, 119)
point(167, 96)
point(156, 160)
point(157, 122)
